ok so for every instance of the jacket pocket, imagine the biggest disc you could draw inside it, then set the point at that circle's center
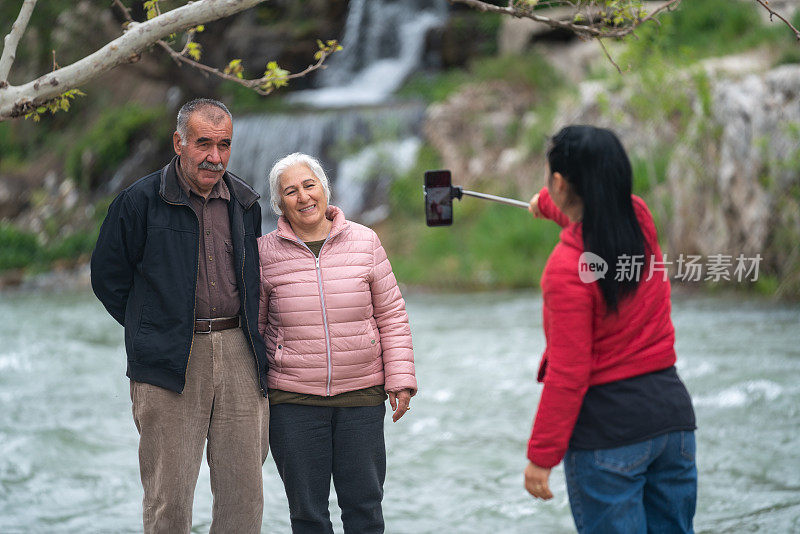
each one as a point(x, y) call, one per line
point(279, 348)
point(142, 339)
point(230, 262)
point(374, 338)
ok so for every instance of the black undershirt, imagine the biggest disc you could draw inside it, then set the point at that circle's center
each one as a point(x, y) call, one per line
point(631, 410)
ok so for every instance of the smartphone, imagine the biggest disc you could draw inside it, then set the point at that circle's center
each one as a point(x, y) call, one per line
point(438, 198)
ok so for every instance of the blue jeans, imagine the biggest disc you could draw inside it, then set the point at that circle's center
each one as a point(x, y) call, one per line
point(646, 487)
point(311, 444)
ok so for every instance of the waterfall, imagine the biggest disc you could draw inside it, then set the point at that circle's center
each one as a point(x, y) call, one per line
point(383, 42)
point(335, 137)
point(361, 148)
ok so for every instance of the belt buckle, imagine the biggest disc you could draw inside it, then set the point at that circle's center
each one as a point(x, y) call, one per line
point(196, 331)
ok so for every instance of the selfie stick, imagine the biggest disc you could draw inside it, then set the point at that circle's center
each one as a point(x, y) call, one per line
point(457, 192)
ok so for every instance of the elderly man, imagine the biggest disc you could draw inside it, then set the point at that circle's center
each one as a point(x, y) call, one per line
point(176, 264)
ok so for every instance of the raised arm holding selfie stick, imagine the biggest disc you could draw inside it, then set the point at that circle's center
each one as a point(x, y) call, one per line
point(612, 406)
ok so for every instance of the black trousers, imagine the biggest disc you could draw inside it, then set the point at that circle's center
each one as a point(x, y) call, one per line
point(311, 445)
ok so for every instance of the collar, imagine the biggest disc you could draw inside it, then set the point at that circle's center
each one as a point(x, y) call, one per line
point(333, 214)
point(220, 190)
point(170, 188)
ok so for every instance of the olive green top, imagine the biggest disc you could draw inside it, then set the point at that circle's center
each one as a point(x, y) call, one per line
point(315, 246)
point(371, 396)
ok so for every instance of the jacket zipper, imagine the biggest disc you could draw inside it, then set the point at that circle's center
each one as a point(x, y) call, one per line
point(194, 288)
point(324, 310)
point(246, 321)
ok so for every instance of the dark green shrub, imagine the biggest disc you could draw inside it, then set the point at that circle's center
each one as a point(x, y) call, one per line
point(107, 142)
point(17, 248)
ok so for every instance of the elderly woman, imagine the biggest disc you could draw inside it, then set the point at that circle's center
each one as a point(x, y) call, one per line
point(338, 343)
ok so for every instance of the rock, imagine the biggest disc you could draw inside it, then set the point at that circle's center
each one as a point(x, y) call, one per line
point(473, 127)
point(735, 178)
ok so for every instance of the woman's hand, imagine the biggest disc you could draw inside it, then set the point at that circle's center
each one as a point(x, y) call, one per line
point(536, 481)
point(534, 207)
point(400, 403)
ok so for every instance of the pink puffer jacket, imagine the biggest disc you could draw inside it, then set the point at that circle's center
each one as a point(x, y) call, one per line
point(335, 324)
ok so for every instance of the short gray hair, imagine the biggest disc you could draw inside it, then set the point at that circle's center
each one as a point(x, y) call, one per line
point(284, 163)
point(196, 105)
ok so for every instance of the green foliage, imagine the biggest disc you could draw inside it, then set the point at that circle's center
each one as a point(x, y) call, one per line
point(328, 47)
point(537, 134)
point(10, 146)
point(59, 103)
point(274, 77)
point(152, 8)
point(70, 247)
point(20, 249)
point(529, 71)
point(666, 94)
point(650, 171)
point(17, 248)
point(789, 56)
point(434, 87)
point(194, 50)
point(235, 68)
point(701, 29)
point(107, 142)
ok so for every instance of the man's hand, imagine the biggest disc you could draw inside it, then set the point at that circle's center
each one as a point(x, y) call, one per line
point(536, 481)
point(400, 403)
point(534, 207)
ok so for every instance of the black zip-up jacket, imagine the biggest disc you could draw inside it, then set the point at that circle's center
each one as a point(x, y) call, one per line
point(144, 271)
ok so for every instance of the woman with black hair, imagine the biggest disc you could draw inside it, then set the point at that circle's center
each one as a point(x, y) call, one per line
point(612, 407)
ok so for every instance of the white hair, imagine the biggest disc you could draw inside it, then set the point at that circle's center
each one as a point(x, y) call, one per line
point(284, 163)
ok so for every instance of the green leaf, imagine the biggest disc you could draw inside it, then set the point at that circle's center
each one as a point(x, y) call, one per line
point(193, 49)
point(235, 68)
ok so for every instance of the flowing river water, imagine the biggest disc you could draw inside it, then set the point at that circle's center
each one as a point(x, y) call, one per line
point(68, 446)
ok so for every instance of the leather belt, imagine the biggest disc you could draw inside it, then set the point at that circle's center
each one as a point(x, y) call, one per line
point(206, 326)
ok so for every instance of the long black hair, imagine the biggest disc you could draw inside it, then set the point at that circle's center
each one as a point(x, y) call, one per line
point(594, 163)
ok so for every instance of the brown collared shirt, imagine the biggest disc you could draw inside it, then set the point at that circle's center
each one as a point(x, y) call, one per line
point(217, 294)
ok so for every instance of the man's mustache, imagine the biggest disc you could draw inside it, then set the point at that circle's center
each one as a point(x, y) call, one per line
point(207, 166)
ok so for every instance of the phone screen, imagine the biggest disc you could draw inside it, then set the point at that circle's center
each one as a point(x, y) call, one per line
point(438, 198)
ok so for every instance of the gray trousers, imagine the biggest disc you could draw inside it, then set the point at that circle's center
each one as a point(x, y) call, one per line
point(311, 444)
point(222, 403)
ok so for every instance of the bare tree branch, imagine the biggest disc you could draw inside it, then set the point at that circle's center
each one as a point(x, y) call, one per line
point(584, 30)
point(605, 50)
point(12, 40)
point(18, 100)
point(773, 13)
point(255, 84)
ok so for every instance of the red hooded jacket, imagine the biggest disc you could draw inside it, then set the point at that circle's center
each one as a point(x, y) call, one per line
point(585, 345)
